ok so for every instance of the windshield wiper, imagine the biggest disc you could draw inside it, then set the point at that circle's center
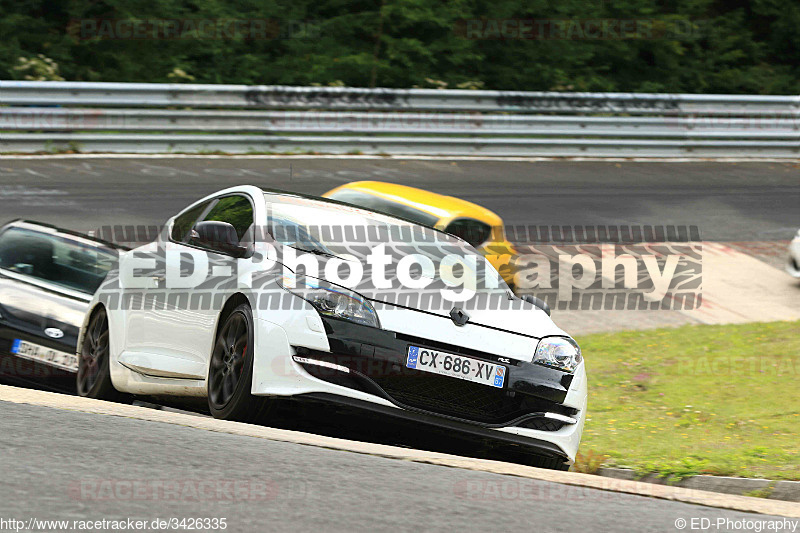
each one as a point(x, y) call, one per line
point(315, 251)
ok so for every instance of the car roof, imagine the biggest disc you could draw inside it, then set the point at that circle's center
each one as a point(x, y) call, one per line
point(252, 190)
point(21, 223)
point(438, 205)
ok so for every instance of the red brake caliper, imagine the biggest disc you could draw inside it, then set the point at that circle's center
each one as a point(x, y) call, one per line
point(244, 352)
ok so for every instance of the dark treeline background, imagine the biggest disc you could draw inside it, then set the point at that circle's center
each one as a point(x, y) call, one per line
point(708, 46)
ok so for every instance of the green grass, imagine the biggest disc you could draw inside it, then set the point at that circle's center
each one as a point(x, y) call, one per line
point(718, 400)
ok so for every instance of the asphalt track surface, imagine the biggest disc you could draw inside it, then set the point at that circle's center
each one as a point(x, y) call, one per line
point(46, 452)
point(63, 465)
point(727, 201)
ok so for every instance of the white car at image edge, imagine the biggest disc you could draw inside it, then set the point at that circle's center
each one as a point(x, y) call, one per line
point(793, 263)
point(509, 375)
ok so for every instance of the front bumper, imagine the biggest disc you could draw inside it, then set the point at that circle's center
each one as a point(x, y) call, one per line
point(32, 330)
point(467, 432)
point(540, 407)
point(375, 362)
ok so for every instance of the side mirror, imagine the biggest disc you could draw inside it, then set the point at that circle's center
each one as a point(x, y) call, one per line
point(538, 302)
point(218, 236)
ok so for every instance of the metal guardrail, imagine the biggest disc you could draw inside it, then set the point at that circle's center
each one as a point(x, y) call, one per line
point(120, 117)
point(60, 119)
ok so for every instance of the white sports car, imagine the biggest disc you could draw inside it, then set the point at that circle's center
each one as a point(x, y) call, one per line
point(250, 295)
point(793, 264)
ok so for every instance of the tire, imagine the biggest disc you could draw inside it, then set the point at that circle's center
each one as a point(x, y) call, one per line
point(94, 373)
point(230, 371)
point(548, 462)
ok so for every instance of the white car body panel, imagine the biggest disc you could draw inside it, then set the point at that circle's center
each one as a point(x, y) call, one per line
point(167, 352)
point(472, 335)
point(793, 264)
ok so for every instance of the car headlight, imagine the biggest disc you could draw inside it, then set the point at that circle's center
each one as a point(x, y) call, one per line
point(334, 301)
point(562, 353)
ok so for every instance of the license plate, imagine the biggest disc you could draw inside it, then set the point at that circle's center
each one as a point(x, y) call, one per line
point(35, 352)
point(456, 366)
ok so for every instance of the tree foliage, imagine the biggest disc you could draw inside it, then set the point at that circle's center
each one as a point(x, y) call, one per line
point(722, 46)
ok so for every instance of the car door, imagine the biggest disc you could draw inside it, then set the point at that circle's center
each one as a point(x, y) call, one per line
point(147, 349)
point(176, 336)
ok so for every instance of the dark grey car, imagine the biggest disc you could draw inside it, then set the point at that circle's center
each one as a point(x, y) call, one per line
point(47, 278)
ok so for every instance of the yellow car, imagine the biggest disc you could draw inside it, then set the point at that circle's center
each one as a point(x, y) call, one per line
point(480, 227)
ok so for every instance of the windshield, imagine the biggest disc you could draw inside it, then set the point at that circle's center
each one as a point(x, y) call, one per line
point(353, 233)
point(382, 205)
point(56, 258)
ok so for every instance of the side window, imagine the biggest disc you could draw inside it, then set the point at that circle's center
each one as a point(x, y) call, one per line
point(185, 221)
point(236, 211)
point(228, 225)
point(473, 231)
point(27, 252)
point(63, 261)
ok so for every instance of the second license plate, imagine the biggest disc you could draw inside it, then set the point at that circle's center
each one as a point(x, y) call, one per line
point(36, 352)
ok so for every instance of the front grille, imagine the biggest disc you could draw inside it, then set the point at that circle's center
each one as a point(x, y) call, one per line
point(452, 397)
